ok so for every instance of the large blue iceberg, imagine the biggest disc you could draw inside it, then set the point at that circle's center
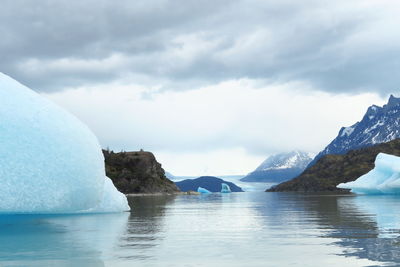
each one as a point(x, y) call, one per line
point(383, 179)
point(50, 162)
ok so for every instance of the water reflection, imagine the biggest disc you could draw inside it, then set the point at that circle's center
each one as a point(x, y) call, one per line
point(145, 226)
point(83, 238)
point(87, 239)
point(367, 227)
point(385, 246)
point(238, 229)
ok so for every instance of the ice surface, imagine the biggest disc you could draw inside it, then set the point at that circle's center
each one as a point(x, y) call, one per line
point(383, 179)
point(225, 188)
point(202, 190)
point(50, 162)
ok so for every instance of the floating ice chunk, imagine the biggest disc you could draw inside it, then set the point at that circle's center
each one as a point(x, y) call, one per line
point(202, 190)
point(383, 179)
point(50, 162)
point(225, 188)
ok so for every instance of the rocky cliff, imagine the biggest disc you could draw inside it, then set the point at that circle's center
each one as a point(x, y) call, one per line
point(331, 170)
point(137, 172)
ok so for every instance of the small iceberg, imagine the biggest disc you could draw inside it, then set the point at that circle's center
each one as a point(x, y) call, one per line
point(225, 188)
point(202, 190)
point(383, 179)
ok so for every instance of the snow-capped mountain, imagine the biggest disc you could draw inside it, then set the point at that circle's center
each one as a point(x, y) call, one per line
point(280, 167)
point(379, 125)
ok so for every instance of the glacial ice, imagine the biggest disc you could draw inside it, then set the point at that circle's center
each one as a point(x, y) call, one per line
point(202, 190)
point(50, 162)
point(225, 188)
point(383, 179)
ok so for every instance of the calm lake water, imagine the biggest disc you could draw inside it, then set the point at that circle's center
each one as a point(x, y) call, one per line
point(238, 229)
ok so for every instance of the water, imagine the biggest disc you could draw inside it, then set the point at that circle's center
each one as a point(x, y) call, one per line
point(238, 229)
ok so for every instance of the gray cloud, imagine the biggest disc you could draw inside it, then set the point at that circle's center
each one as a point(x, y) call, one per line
point(332, 45)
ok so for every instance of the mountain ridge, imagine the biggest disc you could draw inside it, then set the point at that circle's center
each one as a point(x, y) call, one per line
point(279, 167)
point(378, 125)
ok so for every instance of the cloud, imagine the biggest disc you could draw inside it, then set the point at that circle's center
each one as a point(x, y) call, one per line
point(206, 80)
point(239, 121)
point(333, 46)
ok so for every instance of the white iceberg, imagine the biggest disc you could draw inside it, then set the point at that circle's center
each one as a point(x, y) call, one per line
point(383, 179)
point(225, 188)
point(50, 162)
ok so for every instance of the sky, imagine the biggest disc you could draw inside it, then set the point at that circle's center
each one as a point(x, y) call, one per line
point(210, 87)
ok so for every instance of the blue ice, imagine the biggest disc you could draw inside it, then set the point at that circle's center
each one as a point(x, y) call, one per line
point(202, 190)
point(50, 161)
point(225, 188)
point(383, 179)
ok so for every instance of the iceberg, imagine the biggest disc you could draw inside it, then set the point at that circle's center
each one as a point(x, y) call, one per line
point(202, 190)
point(383, 179)
point(225, 188)
point(50, 161)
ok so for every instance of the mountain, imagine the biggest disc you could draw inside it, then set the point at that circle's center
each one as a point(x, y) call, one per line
point(379, 125)
point(137, 172)
point(210, 183)
point(170, 175)
point(280, 167)
point(331, 170)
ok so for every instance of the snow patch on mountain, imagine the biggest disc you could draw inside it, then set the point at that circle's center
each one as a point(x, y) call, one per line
point(347, 131)
point(295, 159)
point(280, 167)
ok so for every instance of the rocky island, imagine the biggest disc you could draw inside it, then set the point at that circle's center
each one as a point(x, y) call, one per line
point(211, 183)
point(137, 172)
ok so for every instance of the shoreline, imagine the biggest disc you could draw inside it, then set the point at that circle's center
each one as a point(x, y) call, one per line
point(162, 194)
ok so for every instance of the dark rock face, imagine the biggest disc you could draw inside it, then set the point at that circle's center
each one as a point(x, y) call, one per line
point(212, 184)
point(137, 172)
point(379, 125)
point(331, 170)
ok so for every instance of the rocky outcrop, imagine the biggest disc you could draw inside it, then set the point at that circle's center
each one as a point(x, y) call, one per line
point(137, 172)
point(331, 170)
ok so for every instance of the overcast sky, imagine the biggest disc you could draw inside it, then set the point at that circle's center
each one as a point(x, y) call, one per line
point(211, 87)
